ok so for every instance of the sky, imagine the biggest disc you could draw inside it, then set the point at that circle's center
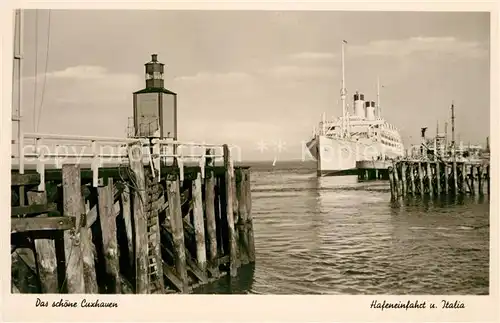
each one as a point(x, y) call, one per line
point(257, 79)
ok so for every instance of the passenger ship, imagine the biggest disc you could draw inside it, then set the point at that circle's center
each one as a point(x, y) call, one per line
point(363, 135)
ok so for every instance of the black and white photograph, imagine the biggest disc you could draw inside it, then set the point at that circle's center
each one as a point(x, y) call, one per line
point(250, 152)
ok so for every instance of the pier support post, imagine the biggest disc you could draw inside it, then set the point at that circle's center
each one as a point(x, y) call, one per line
point(109, 241)
point(421, 178)
point(472, 189)
point(463, 178)
point(455, 182)
point(45, 252)
point(403, 178)
point(199, 224)
point(488, 179)
point(480, 179)
point(438, 178)
point(396, 180)
point(242, 223)
point(127, 219)
point(72, 206)
point(429, 179)
point(446, 169)
point(248, 204)
point(177, 228)
point(229, 173)
point(210, 215)
point(140, 221)
point(392, 183)
point(411, 168)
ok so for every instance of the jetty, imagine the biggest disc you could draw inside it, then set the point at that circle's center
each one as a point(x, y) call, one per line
point(144, 226)
point(143, 214)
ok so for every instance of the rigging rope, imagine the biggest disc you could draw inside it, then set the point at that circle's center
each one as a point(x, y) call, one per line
point(45, 72)
point(36, 69)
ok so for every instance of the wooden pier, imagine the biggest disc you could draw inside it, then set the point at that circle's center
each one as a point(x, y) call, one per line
point(439, 178)
point(373, 169)
point(141, 229)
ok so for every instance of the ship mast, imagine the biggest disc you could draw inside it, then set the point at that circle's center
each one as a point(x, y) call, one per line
point(343, 93)
point(378, 97)
point(453, 128)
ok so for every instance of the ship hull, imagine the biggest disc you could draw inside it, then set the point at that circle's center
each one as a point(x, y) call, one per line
point(337, 156)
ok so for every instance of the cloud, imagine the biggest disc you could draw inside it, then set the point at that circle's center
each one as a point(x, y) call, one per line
point(435, 46)
point(214, 77)
point(313, 56)
point(294, 71)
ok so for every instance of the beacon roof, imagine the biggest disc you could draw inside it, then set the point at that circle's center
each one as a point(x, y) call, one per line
point(155, 90)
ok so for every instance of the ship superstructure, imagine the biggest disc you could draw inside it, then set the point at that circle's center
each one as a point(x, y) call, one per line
point(361, 135)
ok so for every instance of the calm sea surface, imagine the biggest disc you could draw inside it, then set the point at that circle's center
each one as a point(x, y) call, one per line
point(335, 235)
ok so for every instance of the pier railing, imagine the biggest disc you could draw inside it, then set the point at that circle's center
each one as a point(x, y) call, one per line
point(40, 151)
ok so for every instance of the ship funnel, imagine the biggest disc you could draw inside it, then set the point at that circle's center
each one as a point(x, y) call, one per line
point(359, 100)
point(370, 110)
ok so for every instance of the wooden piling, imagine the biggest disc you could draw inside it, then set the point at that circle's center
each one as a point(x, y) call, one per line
point(242, 216)
point(463, 178)
point(421, 178)
point(199, 224)
point(125, 197)
point(229, 210)
point(140, 221)
point(177, 229)
point(488, 179)
point(455, 183)
point(210, 215)
point(392, 183)
point(429, 178)
point(109, 242)
point(438, 178)
point(72, 207)
point(471, 179)
point(45, 251)
point(403, 178)
point(446, 169)
point(480, 179)
point(248, 203)
point(412, 178)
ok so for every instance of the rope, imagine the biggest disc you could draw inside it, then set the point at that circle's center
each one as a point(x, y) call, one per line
point(36, 69)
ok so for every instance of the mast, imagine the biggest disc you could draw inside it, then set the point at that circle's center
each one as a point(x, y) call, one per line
point(18, 70)
point(343, 93)
point(378, 97)
point(446, 137)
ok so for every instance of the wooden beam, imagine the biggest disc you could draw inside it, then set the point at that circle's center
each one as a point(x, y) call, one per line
point(72, 205)
point(33, 209)
point(177, 229)
point(45, 252)
point(140, 221)
point(211, 221)
point(248, 204)
point(109, 237)
point(228, 175)
point(41, 224)
point(127, 219)
point(17, 179)
point(199, 223)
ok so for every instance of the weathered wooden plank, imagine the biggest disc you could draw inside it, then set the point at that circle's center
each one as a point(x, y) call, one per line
point(177, 230)
point(480, 179)
point(17, 179)
point(173, 278)
point(45, 251)
point(242, 217)
point(411, 168)
point(421, 178)
point(41, 224)
point(33, 209)
point(229, 210)
point(429, 179)
point(127, 219)
point(196, 270)
point(211, 221)
point(140, 221)
point(248, 204)
point(72, 206)
point(199, 223)
point(109, 237)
